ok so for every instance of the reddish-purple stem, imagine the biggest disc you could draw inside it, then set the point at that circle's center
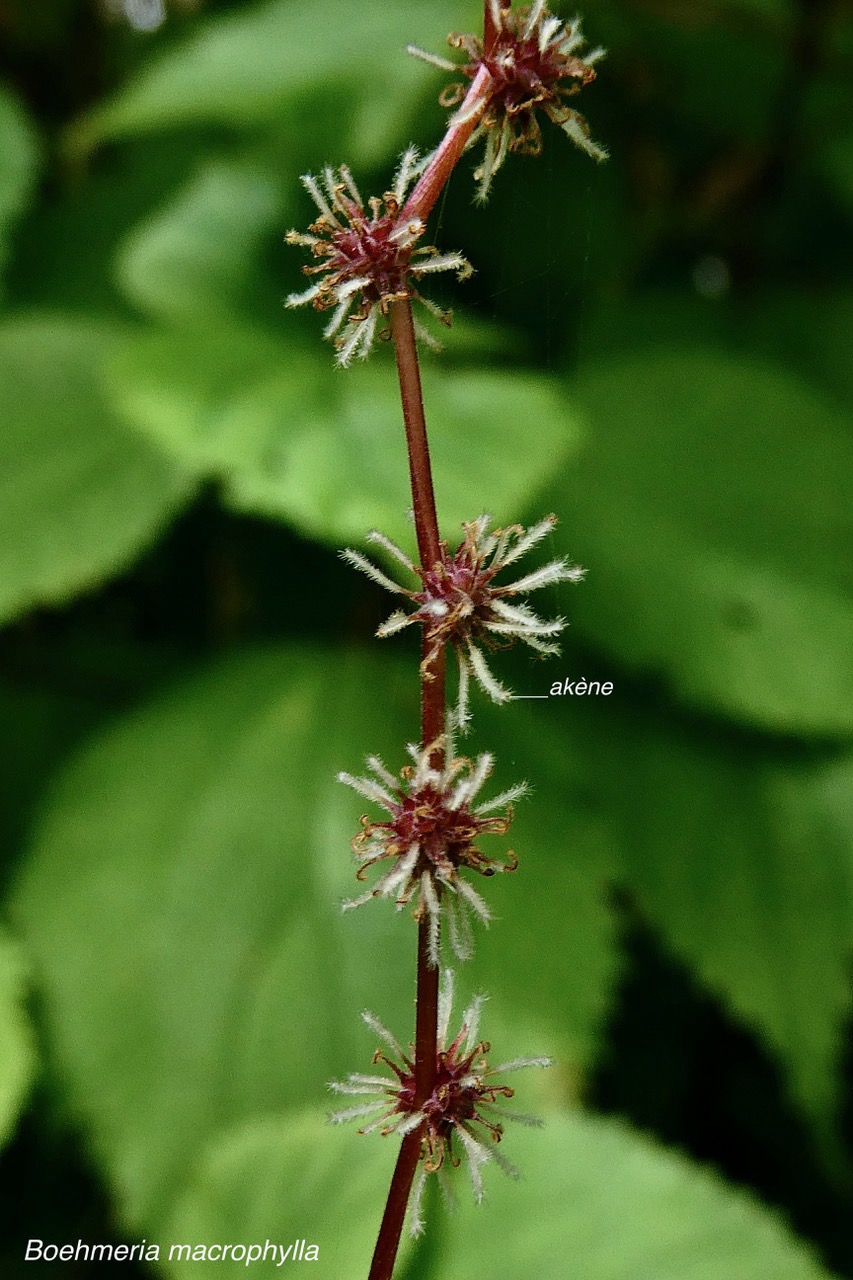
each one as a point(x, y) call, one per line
point(432, 727)
point(432, 675)
point(490, 31)
point(419, 205)
point(420, 470)
point(388, 1242)
point(444, 159)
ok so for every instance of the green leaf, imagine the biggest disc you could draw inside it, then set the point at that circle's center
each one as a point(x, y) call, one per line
point(95, 216)
point(18, 164)
point(210, 851)
point(248, 68)
point(590, 1191)
point(568, 859)
point(178, 388)
point(195, 258)
point(609, 1205)
point(17, 1053)
point(743, 859)
point(711, 507)
point(566, 863)
point(80, 495)
point(323, 448)
point(36, 729)
point(209, 843)
point(285, 1180)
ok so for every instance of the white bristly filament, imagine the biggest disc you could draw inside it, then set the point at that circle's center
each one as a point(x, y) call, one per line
point(370, 570)
point(370, 790)
point(468, 787)
point(411, 1122)
point(417, 1222)
point(522, 614)
point(371, 1020)
point(516, 1064)
point(528, 540)
point(468, 892)
point(312, 186)
point(407, 233)
point(480, 667)
point(445, 1005)
point(299, 299)
point(477, 1155)
point(444, 64)
point(356, 1113)
point(549, 29)
point(533, 18)
point(338, 317)
point(400, 874)
point(397, 621)
point(574, 128)
point(377, 766)
point(556, 571)
point(405, 170)
point(351, 286)
point(506, 797)
point(352, 903)
point(430, 900)
point(462, 716)
point(440, 262)
point(471, 1022)
point(350, 186)
point(380, 540)
point(461, 938)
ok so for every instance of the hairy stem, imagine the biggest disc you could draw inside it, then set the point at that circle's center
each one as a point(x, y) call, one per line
point(388, 1241)
point(432, 727)
point(426, 1018)
point(423, 502)
point(420, 470)
point(490, 31)
point(419, 205)
point(446, 156)
point(432, 675)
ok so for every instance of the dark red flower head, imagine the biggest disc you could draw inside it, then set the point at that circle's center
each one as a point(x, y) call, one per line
point(367, 257)
point(534, 62)
point(431, 836)
point(463, 1115)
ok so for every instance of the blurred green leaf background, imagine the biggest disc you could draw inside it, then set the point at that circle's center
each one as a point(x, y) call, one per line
point(659, 351)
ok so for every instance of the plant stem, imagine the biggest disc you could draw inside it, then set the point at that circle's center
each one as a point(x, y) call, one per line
point(432, 727)
point(489, 29)
point(426, 1018)
point(419, 205)
point(388, 1241)
point(444, 159)
point(432, 676)
point(420, 470)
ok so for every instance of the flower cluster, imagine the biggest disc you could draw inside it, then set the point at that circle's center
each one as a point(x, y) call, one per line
point(534, 61)
point(463, 1115)
point(460, 603)
point(367, 258)
point(431, 837)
